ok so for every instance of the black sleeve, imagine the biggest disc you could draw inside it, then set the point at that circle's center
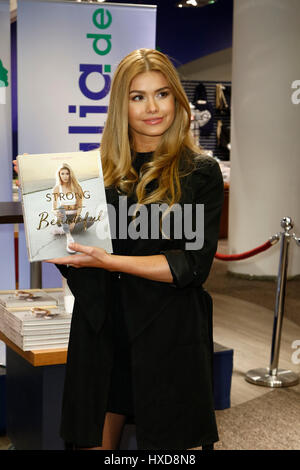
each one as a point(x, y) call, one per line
point(63, 270)
point(191, 267)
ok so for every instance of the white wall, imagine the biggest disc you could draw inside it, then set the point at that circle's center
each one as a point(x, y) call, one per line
point(215, 67)
point(265, 157)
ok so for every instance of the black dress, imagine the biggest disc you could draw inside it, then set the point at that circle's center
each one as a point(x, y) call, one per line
point(120, 398)
point(144, 347)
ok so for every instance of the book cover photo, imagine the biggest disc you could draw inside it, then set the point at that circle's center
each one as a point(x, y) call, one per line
point(63, 201)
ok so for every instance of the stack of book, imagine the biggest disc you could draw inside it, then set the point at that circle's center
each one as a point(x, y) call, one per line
point(34, 320)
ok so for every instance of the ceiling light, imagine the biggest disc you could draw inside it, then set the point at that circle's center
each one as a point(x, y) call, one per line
point(195, 3)
point(90, 1)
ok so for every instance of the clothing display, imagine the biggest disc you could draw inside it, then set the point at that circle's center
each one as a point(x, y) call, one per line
point(223, 98)
point(199, 120)
point(195, 127)
point(203, 110)
point(223, 139)
point(210, 102)
point(168, 326)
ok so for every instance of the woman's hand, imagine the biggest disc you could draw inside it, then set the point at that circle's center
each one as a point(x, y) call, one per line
point(87, 257)
point(15, 164)
point(16, 169)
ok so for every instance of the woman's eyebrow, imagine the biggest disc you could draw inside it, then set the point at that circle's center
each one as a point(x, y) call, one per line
point(155, 91)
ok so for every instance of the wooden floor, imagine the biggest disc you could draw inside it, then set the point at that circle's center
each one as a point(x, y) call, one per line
point(247, 329)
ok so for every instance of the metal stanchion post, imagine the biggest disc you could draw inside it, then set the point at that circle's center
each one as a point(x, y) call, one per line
point(272, 376)
point(36, 275)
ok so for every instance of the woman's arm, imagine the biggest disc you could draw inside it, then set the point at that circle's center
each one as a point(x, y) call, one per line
point(153, 267)
point(191, 267)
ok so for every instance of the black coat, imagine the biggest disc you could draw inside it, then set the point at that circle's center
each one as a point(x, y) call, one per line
point(170, 328)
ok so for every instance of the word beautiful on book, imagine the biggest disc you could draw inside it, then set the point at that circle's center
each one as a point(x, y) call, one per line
point(63, 201)
point(44, 221)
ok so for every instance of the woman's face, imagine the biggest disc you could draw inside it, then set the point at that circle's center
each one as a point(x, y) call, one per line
point(64, 175)
point(151, 109)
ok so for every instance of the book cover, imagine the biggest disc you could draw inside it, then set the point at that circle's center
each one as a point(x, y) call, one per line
point(27, 299)
point(64, 201)
point(59, 295)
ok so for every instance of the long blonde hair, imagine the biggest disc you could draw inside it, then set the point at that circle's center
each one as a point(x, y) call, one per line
point(174, 155)
point(73, 182)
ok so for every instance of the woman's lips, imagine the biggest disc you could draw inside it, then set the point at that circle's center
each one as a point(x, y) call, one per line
point(153, 121)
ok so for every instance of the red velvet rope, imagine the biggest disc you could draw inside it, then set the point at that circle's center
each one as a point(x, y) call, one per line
point(246, 254)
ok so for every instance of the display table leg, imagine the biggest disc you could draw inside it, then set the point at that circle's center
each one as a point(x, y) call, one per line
point(34, 399)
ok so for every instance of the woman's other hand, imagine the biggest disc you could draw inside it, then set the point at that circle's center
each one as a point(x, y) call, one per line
point(15, 164)
point(16, 169)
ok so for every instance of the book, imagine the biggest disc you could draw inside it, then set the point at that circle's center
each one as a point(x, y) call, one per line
point(38, 319)
point(59, 296)
point(27, 298)
point(36, 328)
point(38, 342)
point(63, 201)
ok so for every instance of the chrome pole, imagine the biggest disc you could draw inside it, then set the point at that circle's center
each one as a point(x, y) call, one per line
point(36, 275)
point(272, 376)
point(280, 299)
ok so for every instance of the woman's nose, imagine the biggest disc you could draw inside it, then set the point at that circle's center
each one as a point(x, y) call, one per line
point(152, 105)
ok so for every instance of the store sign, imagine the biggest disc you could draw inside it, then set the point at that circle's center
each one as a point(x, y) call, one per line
point(3, 82)
point(102, 45)
point(67, 54)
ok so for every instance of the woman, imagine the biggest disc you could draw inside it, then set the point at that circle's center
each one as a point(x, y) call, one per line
point(67, 205)
point(67, 202)
point(141, 336)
